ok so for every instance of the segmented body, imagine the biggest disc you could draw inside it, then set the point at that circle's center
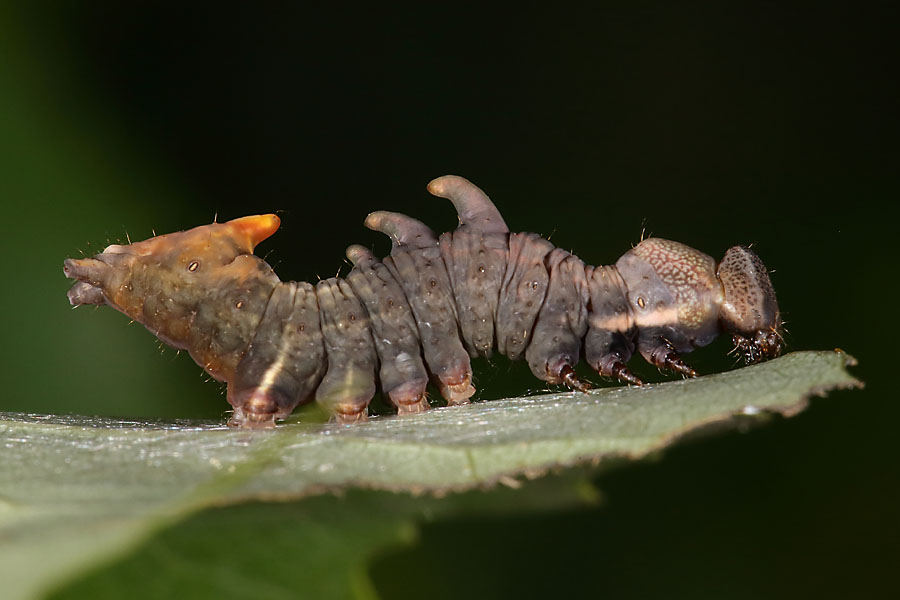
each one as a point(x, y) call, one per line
point(422, 312)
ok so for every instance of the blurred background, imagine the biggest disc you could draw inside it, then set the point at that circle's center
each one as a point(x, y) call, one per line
point(711, 125)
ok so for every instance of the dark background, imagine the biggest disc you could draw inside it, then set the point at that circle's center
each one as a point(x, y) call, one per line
point(708, 124)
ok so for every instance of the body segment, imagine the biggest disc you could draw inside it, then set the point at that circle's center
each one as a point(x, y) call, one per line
point(402, 373)
point(562, 322)
point(349, 382)
point(522, 292)
point(285, 360)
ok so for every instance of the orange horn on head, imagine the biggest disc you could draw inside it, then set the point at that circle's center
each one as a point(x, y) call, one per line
point(256, 228)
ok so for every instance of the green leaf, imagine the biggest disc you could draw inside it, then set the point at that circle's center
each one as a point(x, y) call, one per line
point(75, 492)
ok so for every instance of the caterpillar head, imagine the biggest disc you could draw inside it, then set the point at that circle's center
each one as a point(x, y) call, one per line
point(749, 310)
point(160, 281)
point(678, 295)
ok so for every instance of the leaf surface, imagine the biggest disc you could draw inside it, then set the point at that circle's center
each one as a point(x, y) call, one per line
point(77, 491)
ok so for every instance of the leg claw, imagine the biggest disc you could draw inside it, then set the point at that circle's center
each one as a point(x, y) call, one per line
point(621, 372)
point(673, 362)
point(568, 376)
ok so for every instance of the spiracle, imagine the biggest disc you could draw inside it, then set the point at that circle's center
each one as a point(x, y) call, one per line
point(421, 313)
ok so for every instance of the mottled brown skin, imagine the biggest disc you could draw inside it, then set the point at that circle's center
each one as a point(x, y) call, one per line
point(200, 290)
point(424, 310)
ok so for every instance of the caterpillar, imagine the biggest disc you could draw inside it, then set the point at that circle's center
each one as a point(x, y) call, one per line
point(423, 311)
